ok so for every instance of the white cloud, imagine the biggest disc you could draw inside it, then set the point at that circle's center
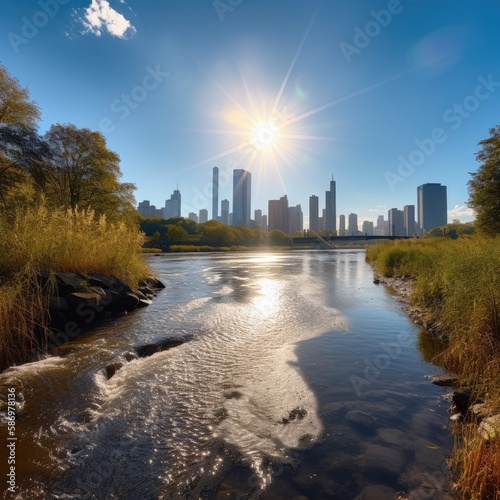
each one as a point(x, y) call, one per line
point(462, 212)
point(100, 17)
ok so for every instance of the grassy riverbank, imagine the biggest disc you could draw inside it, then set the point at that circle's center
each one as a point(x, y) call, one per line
point(458, 285)
point(35, 240)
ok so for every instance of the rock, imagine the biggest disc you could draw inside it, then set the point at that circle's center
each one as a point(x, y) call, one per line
point(461, 400)
point(376, 281)
point(79, 300)
point(130, 300)
point(130, 356)
point(376, 492)
point(444, 380)
point(382, 462)
point(152, 282)
point(489, 428)
point(480, 410)
point(113, 368)
point(362, 420)
point(148, 350)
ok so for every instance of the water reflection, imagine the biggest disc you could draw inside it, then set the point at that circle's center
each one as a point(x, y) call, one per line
point(258, 400)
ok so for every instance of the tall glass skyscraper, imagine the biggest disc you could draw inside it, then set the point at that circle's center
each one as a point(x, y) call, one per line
point(331, 208)
point(242, 182)
point(215, 193)
point(432, 206)
point(313, 213)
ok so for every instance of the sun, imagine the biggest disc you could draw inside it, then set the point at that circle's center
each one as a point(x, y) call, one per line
point(265, 135)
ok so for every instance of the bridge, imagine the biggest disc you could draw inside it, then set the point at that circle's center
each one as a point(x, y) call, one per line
point(311, 240)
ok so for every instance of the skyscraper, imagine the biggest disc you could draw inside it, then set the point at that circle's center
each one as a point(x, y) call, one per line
point(242, 181)
point(396, 222)
point(203, 215)
point(215, 193)
point(341, 225)
point(173, 206)
point(258, 218)
point(409, 220)
point(295, 219)
point(367, 228)
point(432, 206)
point(224, 212)
point(278, 215)
point(331, 207)
point(353, 225)
point(313, 213)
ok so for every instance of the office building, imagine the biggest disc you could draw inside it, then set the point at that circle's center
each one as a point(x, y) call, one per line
point(296, 220)
point(149, 211)
point(264, 223)
point(352, 229)
point(215, 193)
point(242, 181)
point(203, 215)
point(173, 205)
point(314, 213)
point(409, 220)
point(431, 206)
point(396, 222)
point(192, 216)
point(341, 225)
point(278, 215)
point(367, 228)
point(330, 217)
point(224, 212)
point(258, 219)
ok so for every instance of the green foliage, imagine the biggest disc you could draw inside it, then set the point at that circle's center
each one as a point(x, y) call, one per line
point(176, 232)
point(16, 106)
point(460, 229)
point(279, 238)
point(458, 283)
point(484, 187)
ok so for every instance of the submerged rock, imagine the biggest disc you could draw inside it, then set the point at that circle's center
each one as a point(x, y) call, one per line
point(144, 351)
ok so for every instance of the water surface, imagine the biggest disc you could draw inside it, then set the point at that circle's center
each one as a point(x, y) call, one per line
point(298, 378)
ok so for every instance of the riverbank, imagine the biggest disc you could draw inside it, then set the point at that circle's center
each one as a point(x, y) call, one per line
point(38, 242)
point(452, 288)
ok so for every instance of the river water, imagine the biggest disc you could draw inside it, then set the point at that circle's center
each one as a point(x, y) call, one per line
point(298, 378)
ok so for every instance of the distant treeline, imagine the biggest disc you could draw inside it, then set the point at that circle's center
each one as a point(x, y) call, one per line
point(178, 230)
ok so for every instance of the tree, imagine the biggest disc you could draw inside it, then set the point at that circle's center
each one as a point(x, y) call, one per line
point(83, 172)
point(484, 187)
point(16, 107)
point(19, 143)
point(279, 238)
point(176, 233)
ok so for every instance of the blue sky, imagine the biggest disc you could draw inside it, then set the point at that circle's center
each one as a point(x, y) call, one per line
point(384, 95)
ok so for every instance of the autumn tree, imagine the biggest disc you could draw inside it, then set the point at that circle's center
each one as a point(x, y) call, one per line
point(83, 172)
point(19, 143)
point(484, 187)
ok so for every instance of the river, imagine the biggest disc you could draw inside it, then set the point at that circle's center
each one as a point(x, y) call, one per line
point(298, 378)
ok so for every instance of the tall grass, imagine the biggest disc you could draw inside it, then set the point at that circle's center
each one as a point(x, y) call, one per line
point(35, 240)
point(458, 284)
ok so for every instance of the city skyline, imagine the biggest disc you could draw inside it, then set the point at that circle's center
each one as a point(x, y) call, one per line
point(288, 91)
point(281, 215)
